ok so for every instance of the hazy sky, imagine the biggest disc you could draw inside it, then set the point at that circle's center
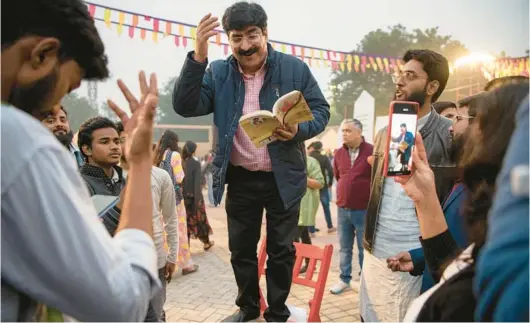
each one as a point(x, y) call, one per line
point(482, 25)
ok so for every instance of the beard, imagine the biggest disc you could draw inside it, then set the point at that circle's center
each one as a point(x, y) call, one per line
point(457, 145)
point(418, 96)
point(65, 139)
point(31, 98)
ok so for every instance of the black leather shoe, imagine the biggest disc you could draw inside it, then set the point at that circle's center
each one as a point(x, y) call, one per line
point(241, 316)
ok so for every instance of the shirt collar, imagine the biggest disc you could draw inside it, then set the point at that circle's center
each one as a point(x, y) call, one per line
point(423, 120)
point(258, 73)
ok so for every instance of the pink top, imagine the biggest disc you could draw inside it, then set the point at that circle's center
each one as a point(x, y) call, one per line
point(244, 153)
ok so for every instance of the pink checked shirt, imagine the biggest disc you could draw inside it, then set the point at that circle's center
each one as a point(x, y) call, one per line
point(244, 153)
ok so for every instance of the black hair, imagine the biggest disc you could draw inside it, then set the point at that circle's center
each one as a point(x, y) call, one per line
point(441, 106)
point(403, 125)
point(169, 140)
point(66, 20)
point(119, 127)
point(87, 128)
point(500, 81)
point(434, 64)
point(243, 14)
point(317, 145)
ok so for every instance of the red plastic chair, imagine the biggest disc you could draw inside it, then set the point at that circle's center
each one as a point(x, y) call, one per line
point(314, 253)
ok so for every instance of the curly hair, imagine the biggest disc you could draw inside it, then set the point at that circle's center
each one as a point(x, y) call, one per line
point(66, 20)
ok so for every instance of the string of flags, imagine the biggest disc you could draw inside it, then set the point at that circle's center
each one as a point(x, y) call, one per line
point(183, 34)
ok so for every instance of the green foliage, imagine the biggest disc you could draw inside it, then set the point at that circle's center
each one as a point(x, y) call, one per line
point(79, 110)
point(394, 42)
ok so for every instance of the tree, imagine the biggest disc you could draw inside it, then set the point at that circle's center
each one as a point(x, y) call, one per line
point(79, 110)
point(393, 42)
point(166, 114)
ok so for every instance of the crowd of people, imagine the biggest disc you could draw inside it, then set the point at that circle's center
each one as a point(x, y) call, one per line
point(449, 242)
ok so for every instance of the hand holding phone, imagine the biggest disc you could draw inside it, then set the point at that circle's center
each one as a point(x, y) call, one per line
point(401, 130)
point(419, 185)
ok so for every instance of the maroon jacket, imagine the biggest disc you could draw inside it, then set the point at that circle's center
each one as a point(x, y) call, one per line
point(353, 182)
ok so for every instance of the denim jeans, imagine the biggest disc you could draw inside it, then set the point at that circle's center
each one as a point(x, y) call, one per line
point(324, 200)
point(210, 188)
point(350, 224)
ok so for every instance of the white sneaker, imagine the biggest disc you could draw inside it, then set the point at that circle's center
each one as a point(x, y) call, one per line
point(339, 287)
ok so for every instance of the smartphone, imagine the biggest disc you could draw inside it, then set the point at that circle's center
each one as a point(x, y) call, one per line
point(401, 135)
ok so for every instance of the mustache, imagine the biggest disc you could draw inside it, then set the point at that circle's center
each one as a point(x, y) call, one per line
point(248, 52)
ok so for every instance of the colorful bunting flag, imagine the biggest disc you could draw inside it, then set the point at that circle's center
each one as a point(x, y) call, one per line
point(327, 58)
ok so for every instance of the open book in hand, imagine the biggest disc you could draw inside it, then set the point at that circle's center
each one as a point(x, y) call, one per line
point(291, 109)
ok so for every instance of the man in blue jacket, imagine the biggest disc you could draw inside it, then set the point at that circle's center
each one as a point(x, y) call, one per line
point(271, 178)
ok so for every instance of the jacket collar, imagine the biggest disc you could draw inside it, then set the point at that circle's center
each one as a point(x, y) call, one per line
point(431, 124)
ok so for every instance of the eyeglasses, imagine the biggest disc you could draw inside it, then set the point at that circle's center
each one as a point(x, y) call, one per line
point(408, 76)
point(458, 118)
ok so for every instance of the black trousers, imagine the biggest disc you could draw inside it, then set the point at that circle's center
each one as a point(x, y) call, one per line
point(248, 194)
point(304, 237)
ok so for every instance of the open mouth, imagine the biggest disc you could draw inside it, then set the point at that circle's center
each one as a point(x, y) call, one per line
point(400, 95)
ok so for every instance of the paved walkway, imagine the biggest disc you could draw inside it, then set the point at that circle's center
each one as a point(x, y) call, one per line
point(209, 294)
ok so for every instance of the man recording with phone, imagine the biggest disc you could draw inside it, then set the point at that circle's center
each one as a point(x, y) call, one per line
point(391, 224)
point(405, 142)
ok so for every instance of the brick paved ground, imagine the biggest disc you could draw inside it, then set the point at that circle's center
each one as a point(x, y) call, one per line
point(208, 295)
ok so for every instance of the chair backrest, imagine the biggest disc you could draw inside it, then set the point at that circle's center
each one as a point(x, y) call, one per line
point(314, 254)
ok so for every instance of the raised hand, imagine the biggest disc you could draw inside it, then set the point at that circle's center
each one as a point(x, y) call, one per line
point(205, 30)
point(138, 127)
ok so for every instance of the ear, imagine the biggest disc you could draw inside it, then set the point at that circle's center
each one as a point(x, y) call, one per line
point(86, 150)
point(433, 87)
point(43, 59)
point(266, 33)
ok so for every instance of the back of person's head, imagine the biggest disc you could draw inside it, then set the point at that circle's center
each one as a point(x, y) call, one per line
point(505, 80)
point(119, 126)
point(86, 130)
point(48, 47)
point(188, 150)
point(484, 151)
point(441, 106)
point(434, 64)
point(316, 145)
point(168, 141)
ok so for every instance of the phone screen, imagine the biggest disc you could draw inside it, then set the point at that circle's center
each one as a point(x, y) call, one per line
point(402, 135)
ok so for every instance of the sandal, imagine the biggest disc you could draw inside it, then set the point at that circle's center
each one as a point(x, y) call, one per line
point(209, 245)
point(189, 270)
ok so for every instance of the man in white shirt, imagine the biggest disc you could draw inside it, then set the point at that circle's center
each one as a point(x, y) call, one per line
point(55, 251)
point(165, 225)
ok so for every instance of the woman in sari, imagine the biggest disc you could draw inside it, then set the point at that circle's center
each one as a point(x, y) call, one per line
point(167, 157)
point(198, 226)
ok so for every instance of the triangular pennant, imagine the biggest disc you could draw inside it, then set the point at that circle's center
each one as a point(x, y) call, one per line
point(155, 36)
point(168, 28)
point(135, 21)
point(131, 31)
point(142, 34)
point(106, 17)
point(184, 41)
point(177, 40)
point(193, 32)
point(293, 50)
point(156, 25)
point(225, 49)
point(181, 30)
point(218, 39)
point(92, 10)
